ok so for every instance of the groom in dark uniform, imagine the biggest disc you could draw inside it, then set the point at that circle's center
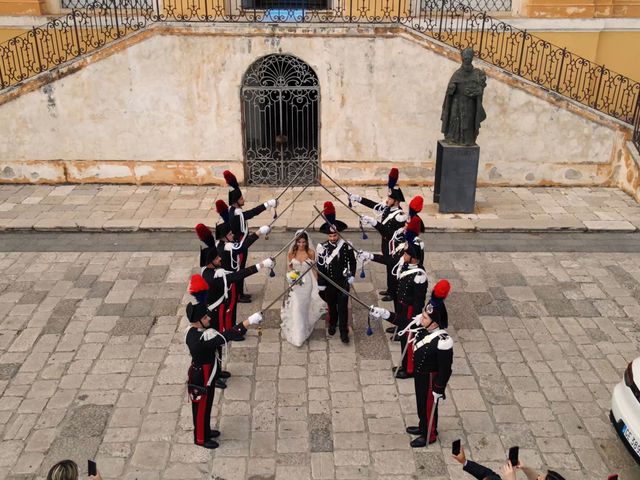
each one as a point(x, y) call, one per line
point(335, 259)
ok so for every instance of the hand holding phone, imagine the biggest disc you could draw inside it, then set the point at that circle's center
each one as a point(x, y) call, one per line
point(513, 456)
point(455, 447)
point(92, 468)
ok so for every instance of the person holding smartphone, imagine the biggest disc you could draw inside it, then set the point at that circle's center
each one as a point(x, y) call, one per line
point(472, 468)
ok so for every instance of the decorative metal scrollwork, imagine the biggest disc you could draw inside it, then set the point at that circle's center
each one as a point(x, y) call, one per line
point(280, 105)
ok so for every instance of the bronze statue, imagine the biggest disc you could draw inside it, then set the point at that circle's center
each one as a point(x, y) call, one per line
point(462, 109)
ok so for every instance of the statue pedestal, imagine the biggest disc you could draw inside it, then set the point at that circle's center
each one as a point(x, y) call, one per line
point(456, 177)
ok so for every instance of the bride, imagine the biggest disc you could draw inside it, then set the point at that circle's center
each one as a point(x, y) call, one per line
point(303, 306)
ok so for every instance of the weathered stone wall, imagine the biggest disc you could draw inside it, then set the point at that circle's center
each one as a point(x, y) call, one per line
point(164, 107)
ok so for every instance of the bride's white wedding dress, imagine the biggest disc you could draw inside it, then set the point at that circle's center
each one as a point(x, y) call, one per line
point(302, 307)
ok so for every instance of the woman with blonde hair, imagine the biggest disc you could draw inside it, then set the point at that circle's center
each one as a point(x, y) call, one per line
point(67, 470)
point(303, 306)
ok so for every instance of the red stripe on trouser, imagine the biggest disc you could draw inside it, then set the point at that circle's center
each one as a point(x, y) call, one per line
point(201, 419)
point(410, 342)
point(232, 306)
point(432, 434)
point(221, 318)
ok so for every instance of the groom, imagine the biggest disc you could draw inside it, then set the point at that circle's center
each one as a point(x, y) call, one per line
point(336, 260)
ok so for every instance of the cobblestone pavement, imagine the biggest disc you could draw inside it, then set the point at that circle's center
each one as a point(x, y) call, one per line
point(92, 363)
point(130, 208)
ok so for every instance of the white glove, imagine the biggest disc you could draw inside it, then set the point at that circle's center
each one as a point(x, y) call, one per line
point(271, 203)
point(380, 312)
point(437, 396)
point(364, 256)
point(350, 279)
point(266, 263)
point(264, 230)
point(255, 318)
point(355, 198)
point(322, 288)
point(369, 220)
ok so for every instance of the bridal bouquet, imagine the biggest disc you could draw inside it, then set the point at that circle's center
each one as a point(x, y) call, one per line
point(292, 276)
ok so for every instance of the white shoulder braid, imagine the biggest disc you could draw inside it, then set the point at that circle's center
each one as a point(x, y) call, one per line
point(445, 342)
point(420, 278)
point(209, 334)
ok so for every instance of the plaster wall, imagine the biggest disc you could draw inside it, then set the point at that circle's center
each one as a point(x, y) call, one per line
point(167, 110)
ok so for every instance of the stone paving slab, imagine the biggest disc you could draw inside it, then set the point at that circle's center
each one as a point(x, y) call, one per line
point(88, 370)
point(177, 208)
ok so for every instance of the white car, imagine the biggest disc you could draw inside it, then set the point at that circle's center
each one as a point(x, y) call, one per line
point(625, 408)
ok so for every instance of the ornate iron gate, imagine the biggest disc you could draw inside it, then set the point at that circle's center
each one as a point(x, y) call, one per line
point(280, 102)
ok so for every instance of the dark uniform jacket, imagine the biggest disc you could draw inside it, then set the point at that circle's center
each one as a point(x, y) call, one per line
point(216, 293)
point(203, 347)
point(338, 266)
point(231, 251)
point(239, 217)
point(412, 286)
point(391, 260)
point(392, 219)
point(480, 471)
point(432, 352)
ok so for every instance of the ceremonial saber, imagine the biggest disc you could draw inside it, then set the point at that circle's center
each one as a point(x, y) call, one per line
point(336, 183)
point(431, 419)
point(362, 274)
point(275, 213)
point(364, 235)
point(292, 202)
point(404, 353)
point(346, 241)
point(295, 237)
point(286, 290)
point(345, 292)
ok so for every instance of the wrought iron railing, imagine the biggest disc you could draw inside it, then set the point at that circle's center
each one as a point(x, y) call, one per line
point(516, 51)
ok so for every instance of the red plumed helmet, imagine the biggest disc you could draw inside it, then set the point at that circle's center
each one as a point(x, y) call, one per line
point(441, 289)
point(197, 284)
point(393, 177)
point(230, 178)
point(328, 208)
point(413, 225)
point(416, 204)
point(205, 235)
point(221, 206)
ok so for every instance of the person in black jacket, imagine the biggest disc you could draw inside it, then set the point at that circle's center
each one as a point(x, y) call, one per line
point(390, 219)
point(336, 259)
point(204, 342)
point(472, 468)
point(238, 223)
point(411, 295)
point(432, 358)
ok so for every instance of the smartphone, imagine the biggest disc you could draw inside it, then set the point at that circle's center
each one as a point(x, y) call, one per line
point(513, 455)
point(92, 468)
point(613, 476)
point(455, 447)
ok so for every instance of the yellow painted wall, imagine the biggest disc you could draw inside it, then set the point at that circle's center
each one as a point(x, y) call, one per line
point(618, 51)
point(580, 8)
point(20, 7)
point(7, 33)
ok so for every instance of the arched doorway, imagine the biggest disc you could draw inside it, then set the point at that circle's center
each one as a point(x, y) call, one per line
point(280, 121)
